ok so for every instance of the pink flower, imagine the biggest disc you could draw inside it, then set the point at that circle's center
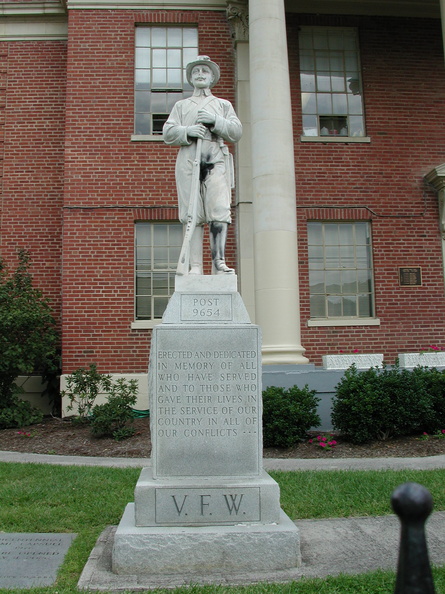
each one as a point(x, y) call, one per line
point(323, 439)
point(443, 431)
point(322, 444)
point(319, 437)
point(425, 433)
point(311, 440)
point(332, 443)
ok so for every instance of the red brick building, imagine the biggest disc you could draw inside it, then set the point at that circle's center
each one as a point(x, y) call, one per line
point(88, 183)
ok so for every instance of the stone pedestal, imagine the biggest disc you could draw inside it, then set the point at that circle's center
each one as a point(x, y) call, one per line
point(206, 505)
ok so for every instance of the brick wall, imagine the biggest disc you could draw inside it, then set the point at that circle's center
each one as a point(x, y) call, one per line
point(111, 182)
point(32, 115)
point(105, 182)
point(404, 90)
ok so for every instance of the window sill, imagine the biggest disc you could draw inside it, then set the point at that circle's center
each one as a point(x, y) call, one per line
point(144, 324)
point(340, 139)
point(147, 138)
point(344, 322)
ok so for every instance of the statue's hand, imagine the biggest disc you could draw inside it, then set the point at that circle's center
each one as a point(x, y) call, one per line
point(206, 117)
point(197, 131)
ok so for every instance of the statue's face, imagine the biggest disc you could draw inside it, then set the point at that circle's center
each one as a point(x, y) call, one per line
point(202, 77)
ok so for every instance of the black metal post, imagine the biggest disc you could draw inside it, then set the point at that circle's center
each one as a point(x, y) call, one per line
point(413, 504)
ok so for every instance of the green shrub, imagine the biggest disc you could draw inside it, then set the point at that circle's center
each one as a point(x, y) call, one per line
point(19, 413)
point(82, 389)
point(111, 419)
point(378, 404)
point(434, 381)
point(288, 414)
point(28, 336)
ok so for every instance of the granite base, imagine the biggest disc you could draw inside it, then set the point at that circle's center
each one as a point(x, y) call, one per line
point(204, 549)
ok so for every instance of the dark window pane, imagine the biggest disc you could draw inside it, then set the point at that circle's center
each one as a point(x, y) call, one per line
point(350, 306)
point(318, 306)
point(143, 308)
point(142, 59)
point(159, 37)
point(159, 304)
point(174, 37)
point(334, 307)
point(143, 36)
point(316, 281)
point(142, 79)
point(142, 123)
point(158, 103)
point(142, 101)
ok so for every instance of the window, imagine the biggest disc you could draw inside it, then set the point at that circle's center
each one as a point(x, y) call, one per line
point(340, 270)
point(331, 86)
point(162, 54)
point(157, 247)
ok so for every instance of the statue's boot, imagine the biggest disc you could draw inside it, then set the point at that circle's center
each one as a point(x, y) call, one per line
point(196, 251)
point(218, 238)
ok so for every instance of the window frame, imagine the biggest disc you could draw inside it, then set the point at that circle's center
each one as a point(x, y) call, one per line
point(310, 60)
point(149, 56)
point(342, 320)
point(169, 270)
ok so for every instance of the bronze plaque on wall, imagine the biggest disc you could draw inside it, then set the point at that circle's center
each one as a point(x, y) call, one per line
point(410, 277)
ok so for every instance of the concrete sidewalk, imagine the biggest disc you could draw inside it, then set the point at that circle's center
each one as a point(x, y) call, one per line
point(426, 463)
point(328, 547)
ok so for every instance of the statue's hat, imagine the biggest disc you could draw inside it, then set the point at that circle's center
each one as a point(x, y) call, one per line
point(203, 60)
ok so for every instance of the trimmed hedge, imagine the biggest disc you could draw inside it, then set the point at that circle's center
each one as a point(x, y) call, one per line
point(288, 414)
point(389, 402)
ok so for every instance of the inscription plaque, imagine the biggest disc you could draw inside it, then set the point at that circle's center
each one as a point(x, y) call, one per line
point(206, 308)
point(29, 560)
point(206, 401)
point(410, 277)
point(207, 506)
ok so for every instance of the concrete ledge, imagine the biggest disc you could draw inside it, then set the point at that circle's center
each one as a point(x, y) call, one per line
point(361, 361)
point(97, 574)
point(411, 360)
point(165, 551)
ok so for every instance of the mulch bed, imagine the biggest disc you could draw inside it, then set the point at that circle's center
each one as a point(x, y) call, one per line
point(63, 437)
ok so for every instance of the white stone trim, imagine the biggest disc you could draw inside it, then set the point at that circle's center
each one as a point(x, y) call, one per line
point(33, 29)
point(360, 360)
point(33, 387)
point(31, 8)
point(341, 139)
point(142, 402)
point(433, 359)
point(144, 324)
point(147, 138)
point(345, 322)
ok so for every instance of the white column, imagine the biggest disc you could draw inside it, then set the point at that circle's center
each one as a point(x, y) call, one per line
point(436, 177)
point(237, 14)
point(273, 180)
point(244, 217)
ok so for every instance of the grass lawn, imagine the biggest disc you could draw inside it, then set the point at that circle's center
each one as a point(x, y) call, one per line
point(44, 498)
